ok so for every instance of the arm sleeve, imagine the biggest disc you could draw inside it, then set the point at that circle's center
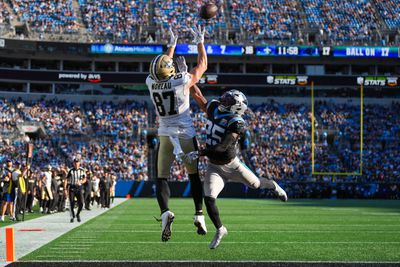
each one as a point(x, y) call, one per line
point(229, 140)
point(211, 106)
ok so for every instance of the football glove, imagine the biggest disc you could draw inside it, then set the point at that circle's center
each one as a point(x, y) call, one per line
point(198, 34)
point(181, 64)
point(190, 157)
point(173, 39)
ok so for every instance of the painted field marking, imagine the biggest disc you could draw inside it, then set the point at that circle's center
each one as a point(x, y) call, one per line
point(244, 231)
point(248, 242)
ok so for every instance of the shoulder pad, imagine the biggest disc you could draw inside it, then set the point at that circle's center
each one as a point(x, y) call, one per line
point(212, 104)
point(181, 78)
point(237, 125)
point(149, 80)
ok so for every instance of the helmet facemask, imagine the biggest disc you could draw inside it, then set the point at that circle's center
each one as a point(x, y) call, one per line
point(233, 101)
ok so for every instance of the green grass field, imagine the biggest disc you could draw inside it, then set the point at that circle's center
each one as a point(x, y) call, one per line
point(259, 230)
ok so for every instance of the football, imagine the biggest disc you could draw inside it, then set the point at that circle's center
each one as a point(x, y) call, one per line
point(208, 11)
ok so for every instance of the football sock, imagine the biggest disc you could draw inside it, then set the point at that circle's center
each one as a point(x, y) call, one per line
point(267, 183)
point(163, 193)
point(196, 189)
point(212, 211)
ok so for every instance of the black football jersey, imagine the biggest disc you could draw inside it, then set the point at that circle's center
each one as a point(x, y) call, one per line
point(219, 123)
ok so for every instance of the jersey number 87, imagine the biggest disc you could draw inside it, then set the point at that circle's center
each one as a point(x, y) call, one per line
point(163, 101)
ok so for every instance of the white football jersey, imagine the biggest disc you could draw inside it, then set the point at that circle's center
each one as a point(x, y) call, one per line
point(172, 105)
point(47, 181)
point(95, 184)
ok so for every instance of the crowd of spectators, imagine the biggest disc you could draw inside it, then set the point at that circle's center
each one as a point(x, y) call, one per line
point(182, 15)
point(5, 16)
point(343, 20)
point(265, 19)
point(55, 16)
point(258, 20)
point(9, 116)
point(127, 159)
point(121, 119)
point(58, 117)
point(390, 12)
point(114, 19)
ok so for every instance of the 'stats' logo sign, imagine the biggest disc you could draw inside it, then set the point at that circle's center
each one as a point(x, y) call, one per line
point(86, 77)
point(377, 81)
point(287, 80)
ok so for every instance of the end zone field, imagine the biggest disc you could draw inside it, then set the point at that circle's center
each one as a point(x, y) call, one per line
point(259, 230)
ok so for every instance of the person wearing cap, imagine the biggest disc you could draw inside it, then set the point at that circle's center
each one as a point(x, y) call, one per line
point(47, 194)
point(76, 177)
point(8, 199)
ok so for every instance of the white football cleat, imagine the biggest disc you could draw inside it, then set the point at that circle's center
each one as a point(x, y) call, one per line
point(167, 218)
point(280, 192)
point(200, 223)
point(221, 232)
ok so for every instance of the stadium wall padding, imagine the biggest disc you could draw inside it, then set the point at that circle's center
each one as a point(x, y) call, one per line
point(123, 188)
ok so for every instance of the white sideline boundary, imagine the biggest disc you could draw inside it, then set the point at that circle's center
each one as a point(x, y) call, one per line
point(54, 226)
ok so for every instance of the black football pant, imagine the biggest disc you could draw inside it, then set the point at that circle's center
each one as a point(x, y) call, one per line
point(105, 197)
point(29, 201)
point(75, 192)
point(87, 198)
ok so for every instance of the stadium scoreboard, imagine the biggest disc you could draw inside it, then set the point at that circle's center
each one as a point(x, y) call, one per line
point(262, 51)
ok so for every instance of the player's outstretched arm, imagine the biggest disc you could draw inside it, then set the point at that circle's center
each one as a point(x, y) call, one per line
point(198, 97)
point(173, 39)
point(202, 63)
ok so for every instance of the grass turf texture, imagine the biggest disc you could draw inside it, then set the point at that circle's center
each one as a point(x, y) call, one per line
point(259, 230)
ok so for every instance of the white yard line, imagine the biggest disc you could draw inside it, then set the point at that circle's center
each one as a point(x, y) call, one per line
point(209, 261)
point(99, 230)
point(53, 227)
point(242, 242)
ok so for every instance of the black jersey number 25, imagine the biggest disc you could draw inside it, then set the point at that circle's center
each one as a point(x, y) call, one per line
point(164, 100)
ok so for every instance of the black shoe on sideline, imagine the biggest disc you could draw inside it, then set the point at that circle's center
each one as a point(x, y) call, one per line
point(72, 220)
point(78, 218)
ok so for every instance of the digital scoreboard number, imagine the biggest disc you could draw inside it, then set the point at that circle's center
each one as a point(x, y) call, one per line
point(212, 50)
point(366, 52)
point(288, 51)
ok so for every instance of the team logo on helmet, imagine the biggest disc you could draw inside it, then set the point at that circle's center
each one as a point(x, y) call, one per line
point(234, 101)
point(162, 68)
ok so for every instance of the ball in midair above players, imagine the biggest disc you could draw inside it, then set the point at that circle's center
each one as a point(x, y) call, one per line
point(208, 11)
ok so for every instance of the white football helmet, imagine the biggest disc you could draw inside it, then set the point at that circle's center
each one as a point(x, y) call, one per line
point(233, 101)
